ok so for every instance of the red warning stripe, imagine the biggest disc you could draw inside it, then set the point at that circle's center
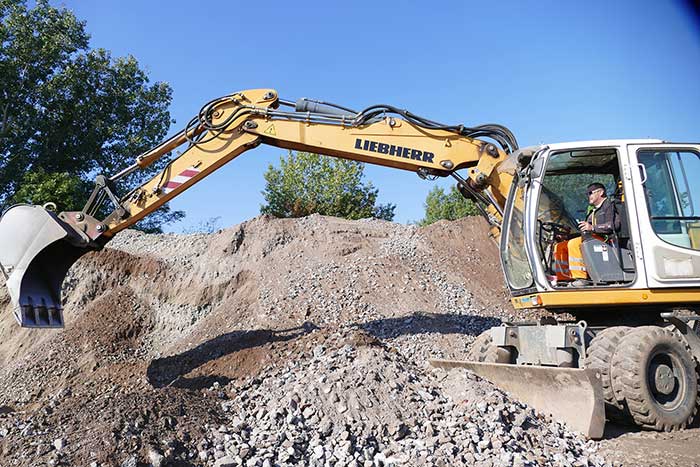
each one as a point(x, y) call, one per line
point(182, 177)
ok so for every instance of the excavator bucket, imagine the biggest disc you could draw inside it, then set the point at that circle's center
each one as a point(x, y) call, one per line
point(36, 251)
point(571, 395)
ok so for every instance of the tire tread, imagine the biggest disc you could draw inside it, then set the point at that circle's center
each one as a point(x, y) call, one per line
point(629, 377)
point(599, 357)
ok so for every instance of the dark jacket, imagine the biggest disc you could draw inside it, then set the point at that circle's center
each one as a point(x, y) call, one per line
point(604, 218)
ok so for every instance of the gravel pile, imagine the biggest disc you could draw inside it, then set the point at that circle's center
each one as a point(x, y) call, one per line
point(367, 405)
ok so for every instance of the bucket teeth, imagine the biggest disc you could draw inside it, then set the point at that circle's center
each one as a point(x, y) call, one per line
point(30, 316)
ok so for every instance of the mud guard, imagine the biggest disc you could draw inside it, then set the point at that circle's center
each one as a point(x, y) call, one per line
point(571, 395)
point(36, 251)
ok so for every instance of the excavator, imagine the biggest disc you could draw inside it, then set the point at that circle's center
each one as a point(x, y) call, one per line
point(623, 346)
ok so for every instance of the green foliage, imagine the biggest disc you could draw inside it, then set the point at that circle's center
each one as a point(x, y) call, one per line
point(39, 187)
point(66, 109)
point(450, 206)
point(308, 183)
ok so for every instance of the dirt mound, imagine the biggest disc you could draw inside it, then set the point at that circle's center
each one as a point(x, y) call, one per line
point(232, 356)
point(114, 323)
point(169, 336)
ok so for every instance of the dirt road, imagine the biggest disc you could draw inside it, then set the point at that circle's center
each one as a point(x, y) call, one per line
point(630, 447)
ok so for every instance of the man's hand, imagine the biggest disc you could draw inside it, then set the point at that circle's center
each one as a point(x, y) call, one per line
point(585, 226)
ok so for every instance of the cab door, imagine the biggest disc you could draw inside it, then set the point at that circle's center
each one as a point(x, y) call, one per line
point(667, 200)
point(515, 259)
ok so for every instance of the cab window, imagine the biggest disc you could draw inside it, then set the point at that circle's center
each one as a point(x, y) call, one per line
point(563, 203)
point(672, 202)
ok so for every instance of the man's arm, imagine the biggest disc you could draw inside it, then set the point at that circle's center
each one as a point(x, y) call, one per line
point(606, 220)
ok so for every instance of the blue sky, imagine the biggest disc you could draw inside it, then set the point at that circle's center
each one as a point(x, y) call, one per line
point(550, 71)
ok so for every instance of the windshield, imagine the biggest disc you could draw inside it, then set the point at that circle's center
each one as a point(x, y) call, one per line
point(568, 193)
point(563, 199)
point(514, 256)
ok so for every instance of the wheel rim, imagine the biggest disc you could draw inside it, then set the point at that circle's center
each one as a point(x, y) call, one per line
point(666, 379)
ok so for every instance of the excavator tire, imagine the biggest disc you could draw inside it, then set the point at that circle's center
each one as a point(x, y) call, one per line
point(483, 350)
point(599, 357)
point(656, 377)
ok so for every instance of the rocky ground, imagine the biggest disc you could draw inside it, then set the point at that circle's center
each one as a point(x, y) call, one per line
point(283, 342)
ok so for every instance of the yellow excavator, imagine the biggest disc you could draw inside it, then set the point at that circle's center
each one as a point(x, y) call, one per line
point(631, 350)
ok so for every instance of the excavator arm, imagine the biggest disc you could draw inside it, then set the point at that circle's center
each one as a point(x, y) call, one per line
point(242, 121)
point(43, 244)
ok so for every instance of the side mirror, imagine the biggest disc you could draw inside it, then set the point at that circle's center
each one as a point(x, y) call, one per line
point(537, 167)
point(533, 169)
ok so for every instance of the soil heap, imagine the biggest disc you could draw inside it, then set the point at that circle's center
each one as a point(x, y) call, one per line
point(275, 342)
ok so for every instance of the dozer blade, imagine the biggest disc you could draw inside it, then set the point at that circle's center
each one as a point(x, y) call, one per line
point(36, 251)
point(571, 395)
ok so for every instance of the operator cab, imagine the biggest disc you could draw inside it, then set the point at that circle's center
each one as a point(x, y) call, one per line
point(563, 204)
point(657, 241)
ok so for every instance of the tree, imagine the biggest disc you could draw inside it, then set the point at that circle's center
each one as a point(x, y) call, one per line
point(68, 113)
point(451, 206)
point(308, 183)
